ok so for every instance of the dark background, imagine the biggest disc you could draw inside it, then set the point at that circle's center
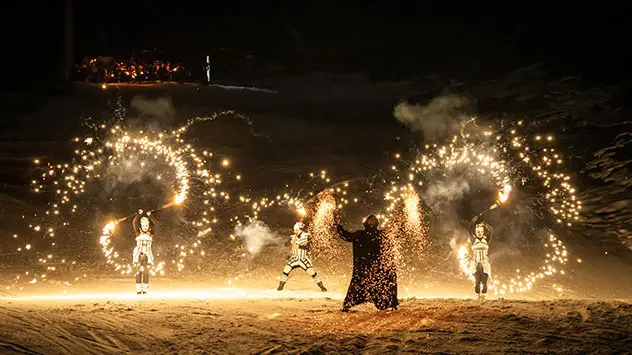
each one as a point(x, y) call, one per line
point(385, 40)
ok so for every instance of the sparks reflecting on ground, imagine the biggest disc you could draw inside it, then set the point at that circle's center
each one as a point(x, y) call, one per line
point(207, 294)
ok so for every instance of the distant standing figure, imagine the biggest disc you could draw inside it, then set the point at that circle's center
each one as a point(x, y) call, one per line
point(143, 257)
point(374, 276)
point(207, 68)
point(299, 257)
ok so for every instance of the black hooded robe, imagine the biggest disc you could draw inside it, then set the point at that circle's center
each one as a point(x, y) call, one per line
point(374, 274)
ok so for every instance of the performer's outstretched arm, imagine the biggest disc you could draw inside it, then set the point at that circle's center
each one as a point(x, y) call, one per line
point(472, 228)
point(345, 235)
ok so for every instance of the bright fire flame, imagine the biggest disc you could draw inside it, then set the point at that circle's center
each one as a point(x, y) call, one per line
point(503, 195)
point(464, 261)
point(109, 227)
point(412, 209)
point(180, 198)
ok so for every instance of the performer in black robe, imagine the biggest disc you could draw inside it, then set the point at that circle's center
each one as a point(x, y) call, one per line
point(374, 274)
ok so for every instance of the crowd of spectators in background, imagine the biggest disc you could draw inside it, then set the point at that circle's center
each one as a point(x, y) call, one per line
point(111, 70)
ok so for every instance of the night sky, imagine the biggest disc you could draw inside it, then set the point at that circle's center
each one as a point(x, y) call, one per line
point(385, 41)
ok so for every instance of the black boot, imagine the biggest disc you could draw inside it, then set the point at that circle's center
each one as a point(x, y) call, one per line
point(281, 285)
point(322, 287)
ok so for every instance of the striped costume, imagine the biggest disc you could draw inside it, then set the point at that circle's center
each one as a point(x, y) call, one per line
point(480, 255)
point(480, 266)
point(299, 257)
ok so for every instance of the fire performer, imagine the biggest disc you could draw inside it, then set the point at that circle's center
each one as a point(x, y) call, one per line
point(143, 256)
point(480, 236)
point(299, 257)
point(374, 273)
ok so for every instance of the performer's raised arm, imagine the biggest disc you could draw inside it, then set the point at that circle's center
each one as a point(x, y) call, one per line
point(471, 230)
point(344, 234)
point(135, 224)
point(490, 231)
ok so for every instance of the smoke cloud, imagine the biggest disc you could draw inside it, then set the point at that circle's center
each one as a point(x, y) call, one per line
point(440, 118)
point(446, 191)
point(160, 111)
point(255, 235)
point(444, 197)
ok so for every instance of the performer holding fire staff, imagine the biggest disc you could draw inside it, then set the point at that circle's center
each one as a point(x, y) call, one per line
point(299, 257)
point(479, 236)
point(143, 256)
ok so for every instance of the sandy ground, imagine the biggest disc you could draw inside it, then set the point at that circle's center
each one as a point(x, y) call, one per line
point(220, 321)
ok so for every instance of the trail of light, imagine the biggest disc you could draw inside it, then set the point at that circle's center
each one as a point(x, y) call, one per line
point(116, 147)
point(501, 158)
point(521, 283)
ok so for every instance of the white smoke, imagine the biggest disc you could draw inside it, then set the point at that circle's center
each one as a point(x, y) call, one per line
point(440, 118)
point(255, 235)
point(442, 192)
point(160, 111)
point(444, 197)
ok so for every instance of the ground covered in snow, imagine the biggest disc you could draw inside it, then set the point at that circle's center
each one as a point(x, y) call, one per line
point(304, 325)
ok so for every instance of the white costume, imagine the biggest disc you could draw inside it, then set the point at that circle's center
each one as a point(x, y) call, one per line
point(143, 246)
point(299, 257)
point(480, 255)
point(142, 256)
point(479, 265)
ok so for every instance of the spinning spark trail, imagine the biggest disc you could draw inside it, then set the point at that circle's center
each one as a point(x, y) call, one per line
point(492, 157)
point(187, 168)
